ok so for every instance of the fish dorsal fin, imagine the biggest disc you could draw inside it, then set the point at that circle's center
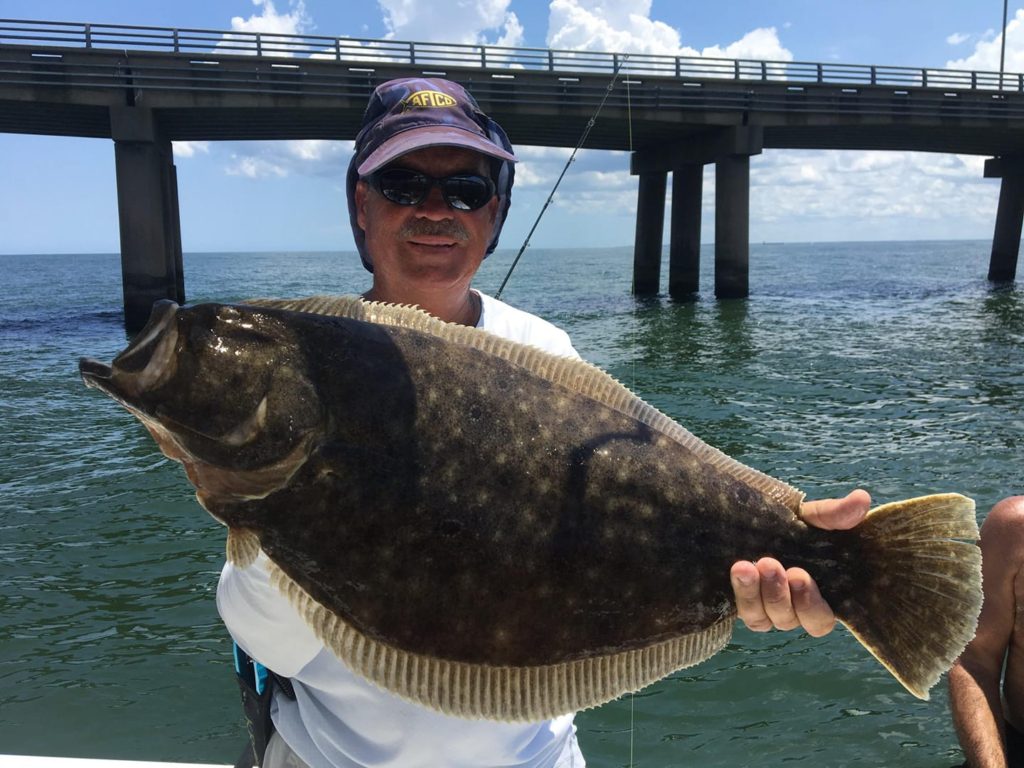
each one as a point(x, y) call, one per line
point(571, 373)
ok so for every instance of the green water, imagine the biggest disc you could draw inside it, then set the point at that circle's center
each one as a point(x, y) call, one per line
point(891, 366)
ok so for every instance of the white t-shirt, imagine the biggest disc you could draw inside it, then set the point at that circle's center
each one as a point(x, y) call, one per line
point(338, 719)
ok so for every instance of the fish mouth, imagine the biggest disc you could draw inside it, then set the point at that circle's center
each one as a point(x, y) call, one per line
point(147, 363)
point(94, 373)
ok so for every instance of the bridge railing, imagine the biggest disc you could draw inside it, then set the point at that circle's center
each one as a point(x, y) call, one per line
point(364, 50)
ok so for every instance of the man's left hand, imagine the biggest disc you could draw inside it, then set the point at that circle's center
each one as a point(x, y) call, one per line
point(770, 596)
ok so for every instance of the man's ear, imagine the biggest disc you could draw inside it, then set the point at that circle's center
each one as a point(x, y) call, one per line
point(361, 192)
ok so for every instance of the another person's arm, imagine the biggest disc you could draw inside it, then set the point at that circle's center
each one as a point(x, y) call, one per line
point(974, 681)
point(770, 596)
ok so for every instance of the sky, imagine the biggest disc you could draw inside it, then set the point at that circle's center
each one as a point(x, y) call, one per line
point(58, 195)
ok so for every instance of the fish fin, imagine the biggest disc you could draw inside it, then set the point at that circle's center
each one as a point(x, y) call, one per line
point(919, 606)
point(572, 373)
point(512, 694)
point(243, 547)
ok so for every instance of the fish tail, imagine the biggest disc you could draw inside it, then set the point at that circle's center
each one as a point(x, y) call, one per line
point(917, 602)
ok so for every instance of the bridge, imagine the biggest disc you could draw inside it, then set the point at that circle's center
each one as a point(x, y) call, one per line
point(144, 87)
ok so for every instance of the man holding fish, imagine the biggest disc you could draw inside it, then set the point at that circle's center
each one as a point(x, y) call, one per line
point(428, 190)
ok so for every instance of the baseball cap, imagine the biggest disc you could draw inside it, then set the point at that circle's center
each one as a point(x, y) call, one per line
point(415, 113)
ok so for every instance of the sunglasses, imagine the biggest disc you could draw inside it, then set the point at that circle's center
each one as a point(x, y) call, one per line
point(463, 192)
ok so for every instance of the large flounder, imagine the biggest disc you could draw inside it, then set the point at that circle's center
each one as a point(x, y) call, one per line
point(496, 532)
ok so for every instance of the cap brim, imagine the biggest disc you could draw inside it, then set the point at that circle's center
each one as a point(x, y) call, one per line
point(429, 136)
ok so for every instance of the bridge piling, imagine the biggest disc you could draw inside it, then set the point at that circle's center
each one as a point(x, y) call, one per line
point(650, 226)
point(1009, 217)
point(684, 238)
point(732, 227)
point(147, 203)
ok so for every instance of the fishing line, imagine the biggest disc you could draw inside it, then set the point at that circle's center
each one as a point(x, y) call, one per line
point(629, 124)
point(572, 157)
point(631, 697)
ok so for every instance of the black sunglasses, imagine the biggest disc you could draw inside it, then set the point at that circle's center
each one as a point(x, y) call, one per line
point(463, 191)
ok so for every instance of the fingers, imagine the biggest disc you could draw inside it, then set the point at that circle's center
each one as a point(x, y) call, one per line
point(769, 596)
point(837, 514)
point(746, 587)
point(814, 614)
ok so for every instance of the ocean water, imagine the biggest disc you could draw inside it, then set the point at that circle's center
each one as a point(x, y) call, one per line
point(891, 366)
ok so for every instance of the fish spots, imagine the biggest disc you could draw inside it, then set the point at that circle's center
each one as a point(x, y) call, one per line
point(450, 528)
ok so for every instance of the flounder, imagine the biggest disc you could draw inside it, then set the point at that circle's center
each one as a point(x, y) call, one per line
point(496, 532)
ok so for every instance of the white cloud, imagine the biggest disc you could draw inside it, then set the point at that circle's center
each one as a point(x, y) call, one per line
point(269, 21)
point(189, 148)
point(278, 159)
point(464, 22)
point(611, 25)
point(294, 22)
point(986, 51)
point(254, 167)
point(957, 38)
point(512, 37)
point(895, 191)
point(626, 26)
point(762, 43)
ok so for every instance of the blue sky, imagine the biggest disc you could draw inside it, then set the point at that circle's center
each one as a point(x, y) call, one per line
point(58, 194)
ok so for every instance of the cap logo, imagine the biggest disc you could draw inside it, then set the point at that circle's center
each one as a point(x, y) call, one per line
point(428, 99)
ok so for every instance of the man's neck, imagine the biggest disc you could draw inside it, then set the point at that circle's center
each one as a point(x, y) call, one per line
point(461, 307)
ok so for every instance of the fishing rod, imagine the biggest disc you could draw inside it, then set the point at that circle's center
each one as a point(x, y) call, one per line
point(572, 157)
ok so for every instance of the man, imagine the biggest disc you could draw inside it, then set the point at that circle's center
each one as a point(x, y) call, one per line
point(990, 726)
point(428, 192)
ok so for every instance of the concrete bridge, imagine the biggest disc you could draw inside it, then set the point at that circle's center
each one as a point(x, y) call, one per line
point(144, 87)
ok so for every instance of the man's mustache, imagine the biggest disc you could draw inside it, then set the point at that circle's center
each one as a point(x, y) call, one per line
point(438, 228)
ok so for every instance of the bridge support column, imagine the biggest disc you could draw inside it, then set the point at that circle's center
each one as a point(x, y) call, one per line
point(147, 202)
point(1002, 266)
point(684, 242)
point(732, 227)
point(650, 225)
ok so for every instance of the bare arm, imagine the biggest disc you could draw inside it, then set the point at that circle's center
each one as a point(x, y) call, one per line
point(768, 595)
point(974, 681)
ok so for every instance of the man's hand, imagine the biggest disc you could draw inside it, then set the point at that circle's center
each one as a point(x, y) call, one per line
point(768, 595)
